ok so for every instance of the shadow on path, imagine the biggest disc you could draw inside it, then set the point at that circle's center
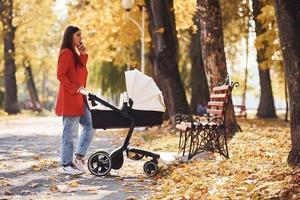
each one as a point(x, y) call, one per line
point(29, 163)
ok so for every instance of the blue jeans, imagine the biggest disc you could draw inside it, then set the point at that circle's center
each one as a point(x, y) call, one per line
point(70, 132)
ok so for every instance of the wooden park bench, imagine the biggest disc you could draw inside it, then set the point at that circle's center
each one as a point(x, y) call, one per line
point(240, 110)
point(199, 134)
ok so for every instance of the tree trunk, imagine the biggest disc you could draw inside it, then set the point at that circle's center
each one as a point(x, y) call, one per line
point(32, 90)
point(151, 58)
point(247, 58)
point(10, 98)
point(288, 19)
point(212, 46)
point(164, 39)
point(200, 90)
point(286, 101)
point(266, 108)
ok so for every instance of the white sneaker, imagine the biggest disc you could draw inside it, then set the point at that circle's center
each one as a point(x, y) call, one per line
point(69, 170)
point(79, 164)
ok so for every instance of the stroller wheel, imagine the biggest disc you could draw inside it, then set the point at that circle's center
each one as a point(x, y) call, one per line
point(99, 163)
point(150, 168)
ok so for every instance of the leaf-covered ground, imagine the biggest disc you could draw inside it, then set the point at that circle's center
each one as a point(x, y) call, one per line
point(257, 168)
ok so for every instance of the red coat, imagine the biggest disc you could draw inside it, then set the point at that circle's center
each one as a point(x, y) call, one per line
point(69, 102)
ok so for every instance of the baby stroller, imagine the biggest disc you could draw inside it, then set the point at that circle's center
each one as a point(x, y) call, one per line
point(143, 107)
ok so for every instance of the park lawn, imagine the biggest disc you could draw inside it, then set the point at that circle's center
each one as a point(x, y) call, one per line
point(257, 167)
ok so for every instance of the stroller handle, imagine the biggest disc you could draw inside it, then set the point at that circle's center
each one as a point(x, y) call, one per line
point(84, 92)
point(93, 98)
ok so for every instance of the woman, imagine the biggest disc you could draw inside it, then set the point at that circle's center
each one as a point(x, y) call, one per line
point(70, 104)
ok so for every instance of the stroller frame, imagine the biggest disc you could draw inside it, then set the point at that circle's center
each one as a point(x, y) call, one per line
point(100, 163)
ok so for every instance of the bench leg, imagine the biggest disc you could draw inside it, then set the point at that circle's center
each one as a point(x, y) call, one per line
point(203, 141)
point(184, 141)
point(192, 144)
point(221, 142)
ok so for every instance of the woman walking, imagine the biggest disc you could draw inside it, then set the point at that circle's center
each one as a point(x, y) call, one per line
point(70, 104)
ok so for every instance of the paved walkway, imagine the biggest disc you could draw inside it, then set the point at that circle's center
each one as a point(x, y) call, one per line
point(29, 156)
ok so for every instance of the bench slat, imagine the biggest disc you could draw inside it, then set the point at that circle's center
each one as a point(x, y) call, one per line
point(215, 111)
point(215, 103)
point(218, 96)
point(221, 88)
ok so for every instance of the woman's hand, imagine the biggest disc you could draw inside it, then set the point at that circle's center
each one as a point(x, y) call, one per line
point(80, 88)
point(81, 48)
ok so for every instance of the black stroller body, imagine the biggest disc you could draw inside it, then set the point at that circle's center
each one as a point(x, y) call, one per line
point(129, 116)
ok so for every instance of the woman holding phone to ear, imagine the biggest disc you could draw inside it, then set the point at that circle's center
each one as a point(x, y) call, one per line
point(70, 104)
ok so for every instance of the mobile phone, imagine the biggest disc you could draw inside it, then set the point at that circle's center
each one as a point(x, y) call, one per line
point(80, 44)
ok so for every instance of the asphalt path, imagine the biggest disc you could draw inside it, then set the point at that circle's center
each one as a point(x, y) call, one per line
point(29, 159)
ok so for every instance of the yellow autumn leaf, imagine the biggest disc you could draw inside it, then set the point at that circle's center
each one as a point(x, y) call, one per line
point(53, 188)
point(5, 182)
point(36, 168)
point(128, 190)
point(73, 184)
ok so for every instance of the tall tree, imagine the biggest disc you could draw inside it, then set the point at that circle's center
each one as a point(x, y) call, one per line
point(212, 46)
point(288, 18)
point(266, 108)
point(200, 90)
point(164, 40)
point(247, 28)
point(32, 89)
point(10, 99)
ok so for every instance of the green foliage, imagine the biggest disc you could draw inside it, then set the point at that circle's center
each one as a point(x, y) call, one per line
point(109, 78)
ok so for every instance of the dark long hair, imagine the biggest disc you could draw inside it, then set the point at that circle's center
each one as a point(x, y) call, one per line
point(67, 42)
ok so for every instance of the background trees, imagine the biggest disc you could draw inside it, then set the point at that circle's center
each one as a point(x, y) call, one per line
point(288, 18)
point(28, 41)
point(113, 43)
point(199, 85)
point(212, 46)
point(266, 106)
point(164, 40)
point(8, 35)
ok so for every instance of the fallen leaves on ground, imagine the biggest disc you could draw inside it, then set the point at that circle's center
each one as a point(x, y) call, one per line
point(5, 182)
point(44, 164)
point(75, 186)
point(257, 167)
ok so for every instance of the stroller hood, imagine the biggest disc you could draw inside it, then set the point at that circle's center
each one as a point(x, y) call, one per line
point(144, 92)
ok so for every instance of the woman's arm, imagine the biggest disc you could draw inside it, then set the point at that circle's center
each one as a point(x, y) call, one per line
point(84, 58)
point(83, 53)
point(64, 62)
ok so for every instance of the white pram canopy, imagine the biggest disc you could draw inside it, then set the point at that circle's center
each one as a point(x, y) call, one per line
point(144, 92)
